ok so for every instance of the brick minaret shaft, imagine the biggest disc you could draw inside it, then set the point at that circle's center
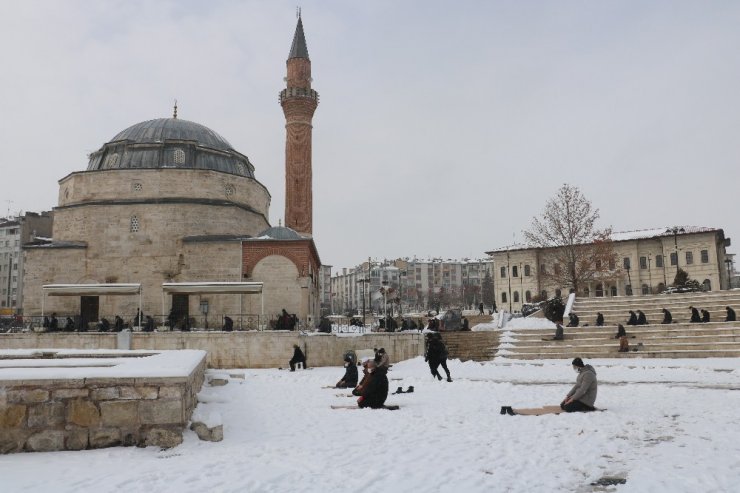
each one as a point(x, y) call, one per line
point(299, 102)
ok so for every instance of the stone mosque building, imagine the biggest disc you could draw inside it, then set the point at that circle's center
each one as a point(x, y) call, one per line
point(169, 202)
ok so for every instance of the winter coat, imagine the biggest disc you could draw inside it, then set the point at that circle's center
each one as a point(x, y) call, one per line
point(436, 351)
point(667, 318)
point(298, 356)
point(695, 318)
point(599, 320)
point(375, 390)
point(641, 319)
point(585, 388)
point(350, 375)
point(382, 360)
point(705, 316)
point(633, 319)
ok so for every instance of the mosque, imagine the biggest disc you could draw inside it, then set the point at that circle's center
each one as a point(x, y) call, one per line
point(169, 218)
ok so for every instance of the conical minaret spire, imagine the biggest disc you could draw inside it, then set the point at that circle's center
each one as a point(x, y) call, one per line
point(299, 102)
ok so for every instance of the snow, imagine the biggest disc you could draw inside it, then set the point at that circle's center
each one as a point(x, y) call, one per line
point(670, 426)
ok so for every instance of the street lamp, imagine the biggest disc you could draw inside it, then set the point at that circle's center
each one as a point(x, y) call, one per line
point(650, 274)
point(385, 302)
point(363, 281)
point(675, 230)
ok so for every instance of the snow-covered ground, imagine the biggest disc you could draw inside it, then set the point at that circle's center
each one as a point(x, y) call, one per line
point(670, 426)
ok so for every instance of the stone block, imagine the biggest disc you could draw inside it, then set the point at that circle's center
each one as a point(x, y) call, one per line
point(13, 440)
point(46, 441)
point(119, 413)
point(12, 416)
point(239, 376)
point(105, 437)
point(46, 415)
point(217, 382)
point(214, 434)
point(77, 439)
point(28, 396)
point(170, 393)
point(160, 412)
point(105, 393)
point(138, 392)
point(82, 413)
point(69, 393)
point(163, 437)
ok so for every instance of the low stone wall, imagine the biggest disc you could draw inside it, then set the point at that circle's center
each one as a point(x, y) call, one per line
point(82, 413)
point(267, 349)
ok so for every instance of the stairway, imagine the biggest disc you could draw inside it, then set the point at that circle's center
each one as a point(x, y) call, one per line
point(475, 346)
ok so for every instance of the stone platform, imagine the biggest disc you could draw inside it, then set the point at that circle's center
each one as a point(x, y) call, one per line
point(65, 399)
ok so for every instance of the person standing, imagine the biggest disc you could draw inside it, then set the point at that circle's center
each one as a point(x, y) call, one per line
point(582, 396)
point(480, 309)
point(436, 356)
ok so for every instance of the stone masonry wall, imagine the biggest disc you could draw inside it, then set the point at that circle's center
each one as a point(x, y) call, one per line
point(76, 414)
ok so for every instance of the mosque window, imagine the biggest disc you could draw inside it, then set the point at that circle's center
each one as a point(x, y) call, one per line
point(136, 186)
point(178, 156)
point(111, 160)
point(705, 256)
point(229, 190)
point(134, 224)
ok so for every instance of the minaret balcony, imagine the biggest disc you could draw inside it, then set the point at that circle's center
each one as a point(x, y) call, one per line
point(298, 92)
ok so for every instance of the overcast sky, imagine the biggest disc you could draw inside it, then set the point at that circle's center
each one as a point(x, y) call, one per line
point(443, 126)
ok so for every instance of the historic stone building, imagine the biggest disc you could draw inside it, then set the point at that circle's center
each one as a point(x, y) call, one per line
point(169, 200)
point(647, 263)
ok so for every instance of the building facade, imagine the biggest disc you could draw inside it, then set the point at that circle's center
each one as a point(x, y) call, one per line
point(411, 284)
point(14, 233)
point(646, 263)
point(168, 200)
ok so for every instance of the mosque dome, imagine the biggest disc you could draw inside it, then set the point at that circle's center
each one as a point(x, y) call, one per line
point(170, 143)
point(280, 233)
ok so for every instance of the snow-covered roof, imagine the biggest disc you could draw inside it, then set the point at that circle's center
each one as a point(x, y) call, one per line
point(638, 234)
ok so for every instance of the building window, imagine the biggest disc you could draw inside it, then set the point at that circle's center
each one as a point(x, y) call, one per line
point(705, 256)
point(543, 294)
point(516, 296)
point(645, 289)
point(503, 272)
point(178, 156)
point(599, 290)
point(136, 187)
point(527, 271)
point(659, 261)
point(707, 285)
point(643, 262)
point(612, 264)
point(111, 160)
point(503, 297)
point(515, 271)
point(528, 296)
point(689, 258)
point(134, 224)
point(586, 292)
point(542, 269)
point(674, 258)
point(626, 263)
point(614, 291)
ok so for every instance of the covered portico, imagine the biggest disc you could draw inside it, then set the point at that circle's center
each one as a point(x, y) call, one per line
point(214, 287)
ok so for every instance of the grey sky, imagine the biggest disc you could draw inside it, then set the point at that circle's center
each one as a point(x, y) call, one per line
point(443, 127)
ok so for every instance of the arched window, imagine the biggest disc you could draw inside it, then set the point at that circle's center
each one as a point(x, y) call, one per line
point(527, 271)
point(515, 271)
point(586, 292)
point(543, 294)
point(503, 271)
point(707, 285)
point(645, 289)
point(614, 291)
point(503, 297)
point(557, 293)
point(516, 297)
point(528, 296)
point(599, 290)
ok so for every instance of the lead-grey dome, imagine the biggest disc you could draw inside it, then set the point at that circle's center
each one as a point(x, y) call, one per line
point(280, 233)
point(170, 143)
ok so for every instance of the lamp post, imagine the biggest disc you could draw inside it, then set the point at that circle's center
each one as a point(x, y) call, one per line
point(650, 274)
point(363, 281)
point(728, 261)
point(508, 275)
point(521, 287)
point(629, 278)
point(675, 230)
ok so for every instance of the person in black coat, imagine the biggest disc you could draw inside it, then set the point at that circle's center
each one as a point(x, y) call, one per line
point(730, 315)
point(704, 316)
point(374, 391)
point(298, 357)
point(480, 309)
point(465, 324)
point(573, 320)
point(633, 318)
point(695, 318)
point(53, 323)
point(620, 332)
point(349, 380)
point(118, 324)
point(104, 325)
point(69, 325)
point(667, 317)
point(436, 356)
point(641, 318)
point(148, 324)
point(599, 319)
point(228, 324)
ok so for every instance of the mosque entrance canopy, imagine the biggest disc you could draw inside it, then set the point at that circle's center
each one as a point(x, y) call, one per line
point(88, 294)
point(214, 287)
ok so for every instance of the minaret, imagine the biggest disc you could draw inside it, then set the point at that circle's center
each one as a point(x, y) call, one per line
point(299, 102)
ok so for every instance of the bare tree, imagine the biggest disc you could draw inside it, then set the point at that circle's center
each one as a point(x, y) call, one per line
point(575, 252)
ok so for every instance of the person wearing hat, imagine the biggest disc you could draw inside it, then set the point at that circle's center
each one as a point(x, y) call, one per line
point(350, 374)
point(298, 357)
point(374, 390)
point(582, 396)
point(381, 359)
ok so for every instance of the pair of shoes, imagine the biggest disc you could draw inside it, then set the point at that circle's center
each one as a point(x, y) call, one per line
point(507, 410)
point(449, 379)
point(399, 390)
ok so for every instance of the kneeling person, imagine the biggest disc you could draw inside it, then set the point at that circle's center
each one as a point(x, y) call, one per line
point(350, 374)
point(582, 396)
point(375, 388)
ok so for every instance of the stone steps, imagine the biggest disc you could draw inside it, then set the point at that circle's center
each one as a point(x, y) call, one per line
point(475, 346)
